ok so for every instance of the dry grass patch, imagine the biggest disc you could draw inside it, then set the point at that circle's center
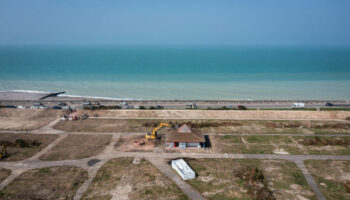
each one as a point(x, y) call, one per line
point(46, 183)
point(16, 152)
point(121, 179)
point(77, 147)
point(333, 177)
point(282, 145)
point(249, 179)
point(208, 126)
point(26, 119)
point(4, 173)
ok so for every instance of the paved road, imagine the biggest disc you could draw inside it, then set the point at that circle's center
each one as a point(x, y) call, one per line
point(158, 159)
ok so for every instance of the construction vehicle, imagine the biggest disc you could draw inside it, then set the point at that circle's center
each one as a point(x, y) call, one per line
point(153, 135)
point(3, 153)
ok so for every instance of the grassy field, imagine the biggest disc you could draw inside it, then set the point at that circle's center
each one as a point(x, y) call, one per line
point(18, 151)
point(208, 126)
point(282, 145)
point(4, 173)
point(249, 179)
point(45, 183)
point(332, 177)
point(77, 147)
point(121, 179)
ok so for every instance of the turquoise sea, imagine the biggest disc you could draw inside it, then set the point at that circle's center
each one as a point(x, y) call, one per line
point(179, 72)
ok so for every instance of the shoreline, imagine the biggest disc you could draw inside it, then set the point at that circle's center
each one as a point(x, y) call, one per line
point(29, 98)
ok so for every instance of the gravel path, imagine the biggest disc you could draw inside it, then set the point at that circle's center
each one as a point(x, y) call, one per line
point(157, 159)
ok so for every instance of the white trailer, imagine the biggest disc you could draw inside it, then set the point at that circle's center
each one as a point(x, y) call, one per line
point(298, 105)
point(182, 168)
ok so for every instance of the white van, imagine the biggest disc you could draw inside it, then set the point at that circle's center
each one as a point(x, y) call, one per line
point(298, 105)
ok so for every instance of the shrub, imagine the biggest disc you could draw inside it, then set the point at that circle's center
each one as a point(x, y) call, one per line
point(240, 107)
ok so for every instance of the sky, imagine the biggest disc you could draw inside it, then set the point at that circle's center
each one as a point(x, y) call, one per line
point(236, 22)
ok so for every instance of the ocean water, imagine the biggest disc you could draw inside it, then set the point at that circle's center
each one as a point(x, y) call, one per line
point(180, 72)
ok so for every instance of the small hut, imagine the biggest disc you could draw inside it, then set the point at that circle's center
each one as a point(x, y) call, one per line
point(183, 137)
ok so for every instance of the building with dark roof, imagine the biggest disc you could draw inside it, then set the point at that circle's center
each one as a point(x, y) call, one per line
point(184, 137)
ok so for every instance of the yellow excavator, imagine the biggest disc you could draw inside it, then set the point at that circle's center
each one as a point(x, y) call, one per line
point(3, 153)
point(153, 135)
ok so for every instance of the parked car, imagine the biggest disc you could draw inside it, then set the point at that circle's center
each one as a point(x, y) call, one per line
point(56, 107)
point(21, 107)
point(62, 104)
point(137, 107)
point(123, 103)
point(10, 106)
point(87, 103)
point(43, 107)
point(38, 104)
point(34, 107)
point(329, 104)
point(191, 106)
point(159, 107)
point(298, 105)
point(128, 107)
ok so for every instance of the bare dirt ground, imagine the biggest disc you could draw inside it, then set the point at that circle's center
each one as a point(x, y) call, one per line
point(127, 178)
point(4, 173)
point(332, 177)
point(45, 183)
point(249, 179)
point(26, 119)
point(16, 152)
point(220, 114)
point(208, 126)
point(297, 145)
point(77, 147)
point(136, 143)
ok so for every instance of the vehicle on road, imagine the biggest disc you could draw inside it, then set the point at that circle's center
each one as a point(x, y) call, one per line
point(329, 104)
point(38, 104)
point(123, 103)
point(62, 104)
point(191, 106)
point(159, 107)
point(137, 107)
point(10, 106)
point(298, 105)
point(56, 107)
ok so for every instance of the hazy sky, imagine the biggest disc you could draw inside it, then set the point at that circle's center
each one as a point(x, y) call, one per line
point(261, 22)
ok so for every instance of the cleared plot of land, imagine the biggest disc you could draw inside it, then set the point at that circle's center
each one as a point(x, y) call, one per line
point(23, 146)
point(333, 177)
point(46, 183)
point(282, 145)
point(126, 178)
point(77, 147)
point(136, 143)
point(249, 179)
point(207, 126)
point(26, 119)
point(4, 173)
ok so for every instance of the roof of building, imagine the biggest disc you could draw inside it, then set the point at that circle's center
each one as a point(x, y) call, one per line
point(184, 134)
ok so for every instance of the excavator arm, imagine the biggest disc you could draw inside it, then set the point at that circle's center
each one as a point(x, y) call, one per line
point(153, 135)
